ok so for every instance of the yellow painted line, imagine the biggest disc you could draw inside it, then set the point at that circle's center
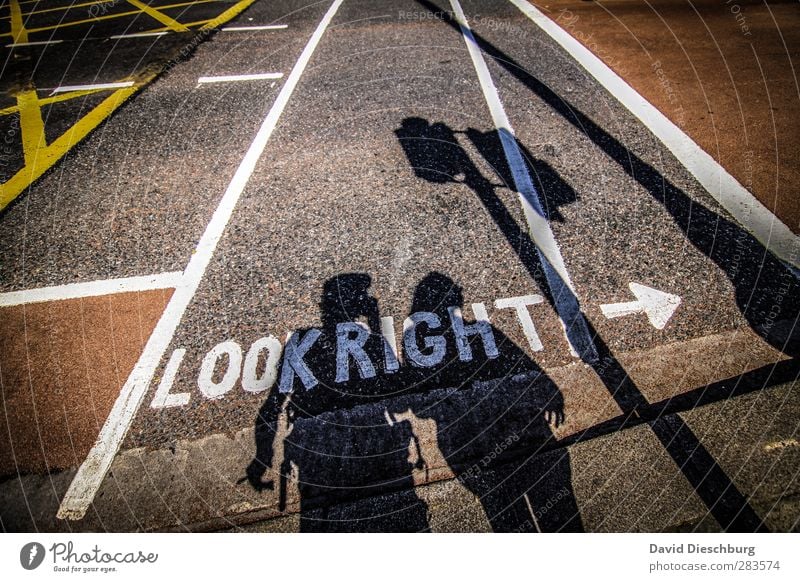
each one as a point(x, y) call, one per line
point(188, 24)
point(45, 157)
point(49, 155)
point(53, 99)
point(18, 32)
point(31, 125)
point(60, 8)
point(170, 23)
point(106, 17)
point(230, 13)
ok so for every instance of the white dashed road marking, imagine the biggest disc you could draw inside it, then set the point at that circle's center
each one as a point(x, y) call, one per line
point(234, 78)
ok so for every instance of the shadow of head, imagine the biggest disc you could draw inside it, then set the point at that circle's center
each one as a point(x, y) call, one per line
point(435, 293)
point(347, 297)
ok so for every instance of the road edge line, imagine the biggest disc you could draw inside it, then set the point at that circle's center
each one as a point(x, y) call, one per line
point(748, 211)
point(93, 470)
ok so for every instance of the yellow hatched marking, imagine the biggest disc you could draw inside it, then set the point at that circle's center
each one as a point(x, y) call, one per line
point(170, 23)
point(48, 155)
point(105, 17)
point(60, 8)
point(54, 99)
point(39, 160)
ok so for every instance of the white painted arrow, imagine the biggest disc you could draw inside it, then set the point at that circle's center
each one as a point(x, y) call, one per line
point(657, 305)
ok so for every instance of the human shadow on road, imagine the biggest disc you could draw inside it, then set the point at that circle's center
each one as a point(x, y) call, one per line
point(323, 414)
point(420, 140)
point(353, 443)
point(494, 411)
point(767, 291)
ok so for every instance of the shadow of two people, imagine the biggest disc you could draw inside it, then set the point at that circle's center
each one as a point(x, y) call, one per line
point(355, 432)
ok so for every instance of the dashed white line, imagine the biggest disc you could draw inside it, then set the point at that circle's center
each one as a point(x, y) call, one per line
point(98, 86)
point(723, 187)
point(32, 43)
point(234, 78)
point(91, 289)
point(91, 473)
point(555, 271)
point(251, 28)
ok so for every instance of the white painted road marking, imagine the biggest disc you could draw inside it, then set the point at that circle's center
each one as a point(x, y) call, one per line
point(520, 305)
point(233, 78)
point(138, 35)
point(91, 289)
point(251, 28)
point(97, 86)
point(725, 189)
point(558, 279)
point(91, 473)
point(657, 305)
point(32, 43)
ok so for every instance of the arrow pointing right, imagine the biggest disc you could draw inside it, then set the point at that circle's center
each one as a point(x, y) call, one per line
point(657, 305)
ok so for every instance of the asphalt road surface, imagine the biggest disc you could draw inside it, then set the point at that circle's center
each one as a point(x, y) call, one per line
point(372, 266)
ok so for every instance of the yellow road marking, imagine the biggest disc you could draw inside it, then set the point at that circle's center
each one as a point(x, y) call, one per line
point(31, 125)
point(170, 23)
point(108, 17)
point(38, 160)
point(230, 13)
point(54, 99)
point(48, 155)
point(18, 32)
point(59, 8)
point(189, 24)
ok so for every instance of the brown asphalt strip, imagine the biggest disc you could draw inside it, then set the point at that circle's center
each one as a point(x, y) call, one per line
point(722, 71)
point(62, 364)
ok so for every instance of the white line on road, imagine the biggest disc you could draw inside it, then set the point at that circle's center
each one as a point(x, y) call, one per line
point(558, 279)
point(251, 28)
point(139, 35)
point(91, 289)
point(735, 198)
point(234, 78)
point(33, 43)
point(97, 86)
point(91, 473)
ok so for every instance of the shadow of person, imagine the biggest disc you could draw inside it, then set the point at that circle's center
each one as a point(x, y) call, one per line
point(325, 418)
point(767, 291)
point(492, 414)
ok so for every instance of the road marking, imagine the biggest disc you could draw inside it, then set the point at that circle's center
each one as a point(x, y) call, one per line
point(657, 305)
point(18, 32)
point(91, 289)
point(91, 473)
point(160, 16)
point(251, 28)
point(49, 100)
point(558, 279)
point(50, 154)
point(31, 124)
point(139, 35)
point(94, 87)
point(110, 17)
point(721, 185)
point(233, 78)
point(34, 43)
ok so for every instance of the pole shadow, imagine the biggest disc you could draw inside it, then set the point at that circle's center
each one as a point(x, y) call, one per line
point(420, 140)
